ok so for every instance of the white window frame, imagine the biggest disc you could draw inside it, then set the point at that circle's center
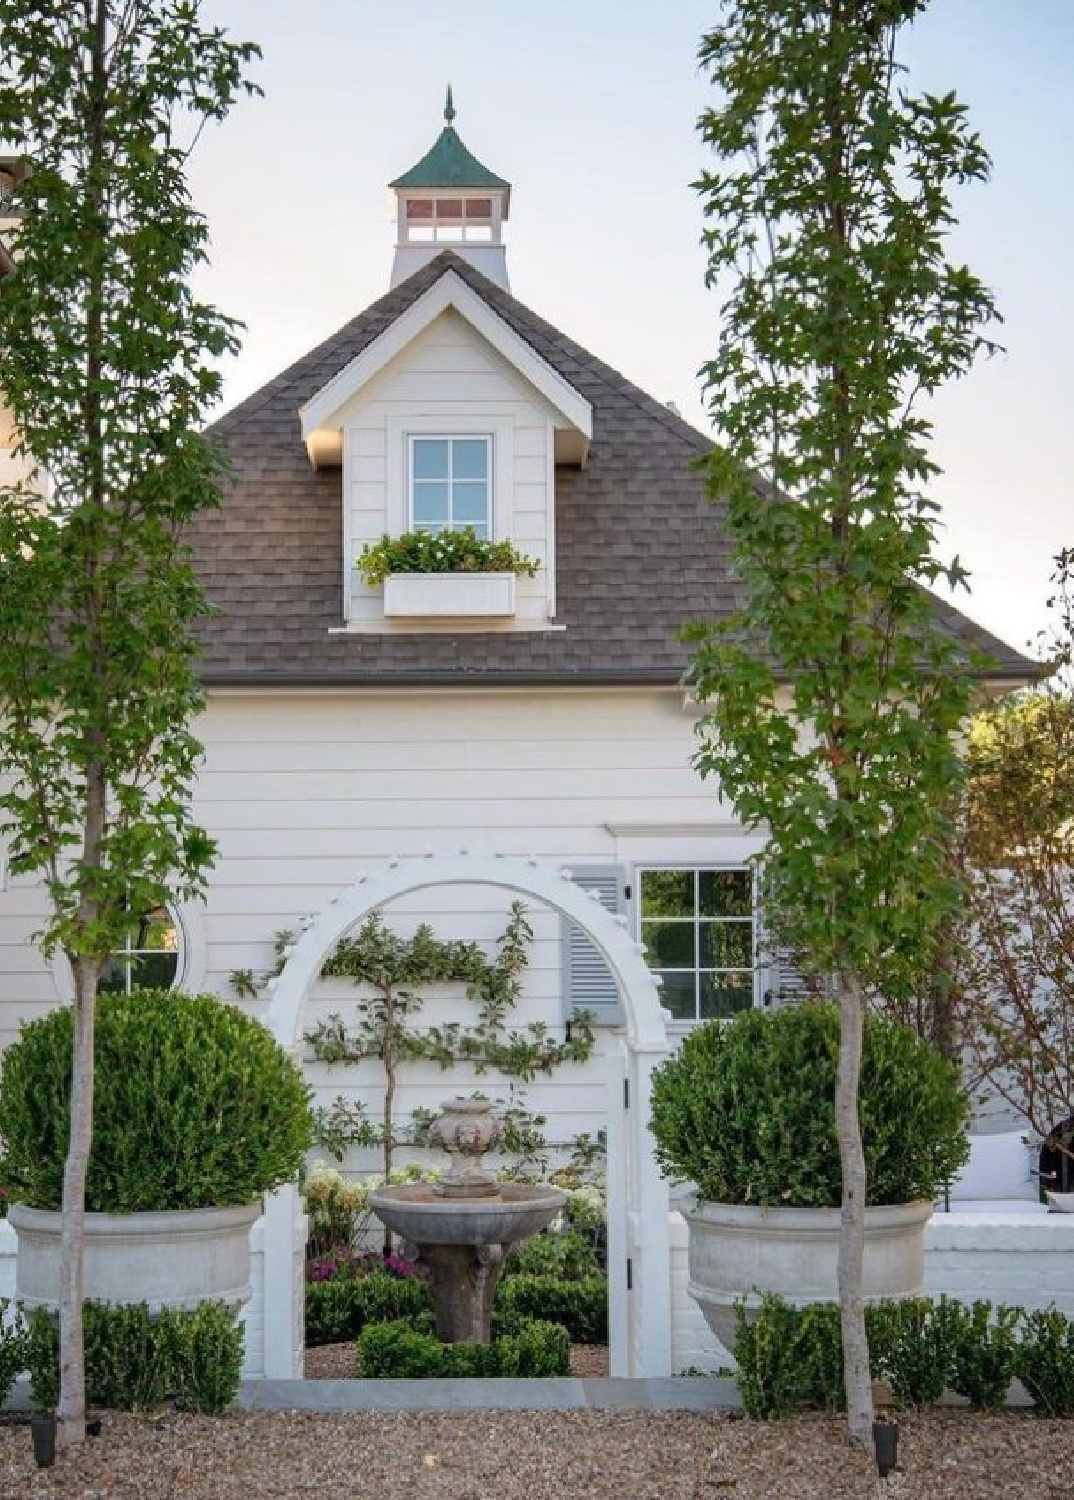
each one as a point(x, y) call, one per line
point(695, 867)
point(128, 952)
point(490, 481)
point(400, 429)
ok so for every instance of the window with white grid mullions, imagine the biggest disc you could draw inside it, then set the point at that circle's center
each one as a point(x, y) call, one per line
point(700, 933)
point(451, 484)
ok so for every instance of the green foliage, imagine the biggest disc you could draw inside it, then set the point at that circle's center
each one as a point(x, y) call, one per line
point(986, 1353)
point(14, 1347)
point(446, 552)
point(135, 1360)
point(565, 1257)
point(792, 1357)
point(828, 208)
point(335, 1209)
point(338, 1310)
point(110, 366)
point(196, 1106)
point(396, 969)
point(581, 1307)
point(768, 1375)
point(914, 1347)
point(745, 1111)
point(1045, 1363)
point(390, 1351)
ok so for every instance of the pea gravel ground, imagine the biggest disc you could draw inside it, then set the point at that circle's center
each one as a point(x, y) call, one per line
point(579, 1455)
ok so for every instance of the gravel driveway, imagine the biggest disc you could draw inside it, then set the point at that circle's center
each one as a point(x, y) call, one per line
point(579, 1455)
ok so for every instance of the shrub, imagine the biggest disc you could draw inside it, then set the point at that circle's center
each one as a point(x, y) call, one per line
point(13, 1347)
point(986, 1353)
point(195, 1106)
point(338, 1310)
point(447, 552)
point(394, 1351)
point(768, 1376)
point(136, 1360)
point(1045, 1363)
point(581, 1307)
point(819, 1351)
point(566, 1257)
point(913, 1345)
point(745, 1110)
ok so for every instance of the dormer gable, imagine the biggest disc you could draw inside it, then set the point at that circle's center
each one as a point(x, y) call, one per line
point(321, 416)
point(449, 419)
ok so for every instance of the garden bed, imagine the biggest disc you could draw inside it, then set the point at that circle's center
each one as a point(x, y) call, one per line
point(541, 1456)
point(337, 1361)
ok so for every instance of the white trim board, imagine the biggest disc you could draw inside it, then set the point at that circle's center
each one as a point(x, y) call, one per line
point(319, 416)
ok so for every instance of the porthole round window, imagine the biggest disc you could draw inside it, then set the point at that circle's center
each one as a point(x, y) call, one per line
point(150, 959)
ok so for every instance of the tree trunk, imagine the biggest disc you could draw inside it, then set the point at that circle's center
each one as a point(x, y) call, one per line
point(852, 1220)
point(71, 1412)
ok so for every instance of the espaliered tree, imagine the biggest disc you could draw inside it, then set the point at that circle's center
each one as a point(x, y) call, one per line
point(107, 362)
point(832, 695)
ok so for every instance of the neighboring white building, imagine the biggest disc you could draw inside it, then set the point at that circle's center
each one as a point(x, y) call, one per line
point(546, 721)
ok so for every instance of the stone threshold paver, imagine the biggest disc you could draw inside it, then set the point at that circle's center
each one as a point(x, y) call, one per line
point(678, 1393)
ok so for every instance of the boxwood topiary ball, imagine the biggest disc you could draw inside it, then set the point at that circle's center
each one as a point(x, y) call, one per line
point(195, 1106)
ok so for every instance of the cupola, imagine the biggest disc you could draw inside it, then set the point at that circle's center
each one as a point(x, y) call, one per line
point(449, 200)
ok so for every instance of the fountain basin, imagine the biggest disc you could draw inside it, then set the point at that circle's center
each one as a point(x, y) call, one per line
point(462, 1242)
point(419, 1215)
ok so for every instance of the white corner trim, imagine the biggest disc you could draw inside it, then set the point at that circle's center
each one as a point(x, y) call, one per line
point(320, 412)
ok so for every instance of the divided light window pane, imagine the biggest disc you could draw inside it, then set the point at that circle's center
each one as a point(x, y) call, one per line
point(699, 929)
point(450, 484)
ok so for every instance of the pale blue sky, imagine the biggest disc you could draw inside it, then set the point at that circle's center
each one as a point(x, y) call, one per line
point(589, 107)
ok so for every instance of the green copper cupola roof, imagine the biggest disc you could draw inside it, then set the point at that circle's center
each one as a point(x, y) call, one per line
point(450, 164)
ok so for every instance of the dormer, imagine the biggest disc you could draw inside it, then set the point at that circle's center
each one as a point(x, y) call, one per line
point(448, 419)
point(449, 200)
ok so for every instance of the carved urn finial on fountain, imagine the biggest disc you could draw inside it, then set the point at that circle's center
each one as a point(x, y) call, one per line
point(463, 1224)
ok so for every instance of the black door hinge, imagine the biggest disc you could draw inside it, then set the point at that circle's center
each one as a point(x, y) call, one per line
point(629, 1274)
point(626, 1093)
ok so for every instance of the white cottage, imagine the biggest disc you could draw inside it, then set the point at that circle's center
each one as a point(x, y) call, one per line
point(358, 740)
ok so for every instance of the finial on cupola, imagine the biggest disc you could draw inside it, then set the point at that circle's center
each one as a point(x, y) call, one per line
point(449, 200)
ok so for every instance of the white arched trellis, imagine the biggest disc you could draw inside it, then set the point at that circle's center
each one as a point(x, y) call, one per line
point(638, 1267)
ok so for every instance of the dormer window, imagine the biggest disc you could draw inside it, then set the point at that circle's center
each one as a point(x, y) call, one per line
point(451, 484)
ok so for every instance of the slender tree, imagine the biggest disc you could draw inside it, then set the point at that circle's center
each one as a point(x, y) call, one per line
point(107, 364)
point(833, 694)
point(1014, 958)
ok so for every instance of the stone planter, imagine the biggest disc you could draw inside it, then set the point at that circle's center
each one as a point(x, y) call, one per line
point(739, 1252)
point(173, 1259)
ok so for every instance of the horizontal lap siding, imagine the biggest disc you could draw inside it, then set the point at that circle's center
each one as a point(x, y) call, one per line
point(303, 791)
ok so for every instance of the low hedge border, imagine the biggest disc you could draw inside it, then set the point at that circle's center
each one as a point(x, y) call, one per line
point(135, 1360)
point(789, 1358)
point(395, 1351)
point(581, 1307)
point(337, 1311)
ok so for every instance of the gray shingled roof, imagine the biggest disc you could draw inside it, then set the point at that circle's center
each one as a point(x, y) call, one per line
point(639, 550)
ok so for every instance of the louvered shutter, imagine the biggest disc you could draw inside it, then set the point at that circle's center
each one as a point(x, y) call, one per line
point(587, 981)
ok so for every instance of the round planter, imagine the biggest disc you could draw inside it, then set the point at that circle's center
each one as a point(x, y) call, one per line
point(173, 1259)
point(738, 1253)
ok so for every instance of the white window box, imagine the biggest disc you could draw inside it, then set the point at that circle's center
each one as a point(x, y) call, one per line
point(436, 596)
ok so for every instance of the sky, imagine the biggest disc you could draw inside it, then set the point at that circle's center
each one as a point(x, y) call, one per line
point(589, 109)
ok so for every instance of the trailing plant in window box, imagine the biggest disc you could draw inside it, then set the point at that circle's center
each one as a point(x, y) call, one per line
point(445, 552)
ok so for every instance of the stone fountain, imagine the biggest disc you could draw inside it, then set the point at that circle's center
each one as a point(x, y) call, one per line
point(464, 1224)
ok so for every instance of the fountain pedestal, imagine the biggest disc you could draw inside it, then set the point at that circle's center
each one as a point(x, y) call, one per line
point(463, 1227)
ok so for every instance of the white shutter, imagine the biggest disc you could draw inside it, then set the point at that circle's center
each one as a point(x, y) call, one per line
point(587, 981)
